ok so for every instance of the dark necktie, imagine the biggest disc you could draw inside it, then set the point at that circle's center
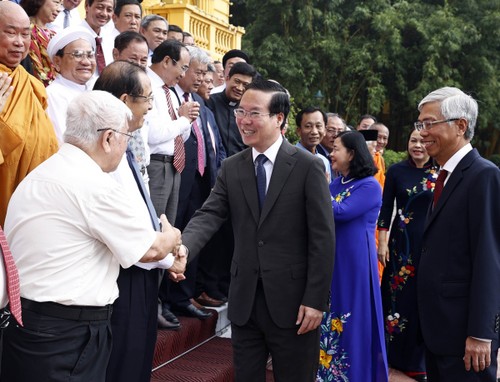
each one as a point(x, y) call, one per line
point(13, 290)
point(439, 185)
point(261, 178)
point(99, 55)
point(179, 151)
point(199, 138)
point(142, 188)
point(66, 18)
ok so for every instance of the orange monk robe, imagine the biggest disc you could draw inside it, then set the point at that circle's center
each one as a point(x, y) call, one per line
point(380, 176)
point(27, 136)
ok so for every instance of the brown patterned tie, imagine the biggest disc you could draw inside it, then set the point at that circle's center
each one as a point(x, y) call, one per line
point(179, 151)
point(13, 290)
point(99, 55)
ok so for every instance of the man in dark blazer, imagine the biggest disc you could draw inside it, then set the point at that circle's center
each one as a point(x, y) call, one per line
point(459, 271)
point(284, 242)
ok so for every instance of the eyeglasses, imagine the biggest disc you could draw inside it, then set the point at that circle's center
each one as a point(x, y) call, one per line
point(183, 67)
point(151, 98)
point(116, 131)
point(427, 125)
point(253, 115)
point(79, 55)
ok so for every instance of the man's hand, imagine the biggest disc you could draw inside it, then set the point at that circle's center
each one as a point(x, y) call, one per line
point(176, 271)
point(308, 318)
point(190, 110)
point(477, 354)
point(5, 89)
point(173, 237)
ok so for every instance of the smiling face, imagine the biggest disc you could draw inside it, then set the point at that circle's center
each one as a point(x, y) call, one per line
point(136, 52)
point(442, 140)
point(49, 11)
point(311, 130)
point(191, 82)
point(416, 149)
point(72, 69)
point(236, 86)
point(15, 35)
point(140, 105)
point(260, 132)
point(99, 14)
point(174, 71)
point(341, 157)
point(206, 86)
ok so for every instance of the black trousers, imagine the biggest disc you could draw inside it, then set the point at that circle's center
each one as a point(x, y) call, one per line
point(452, 369)
point(49, 349)
point(295, 357)
point(134, 323)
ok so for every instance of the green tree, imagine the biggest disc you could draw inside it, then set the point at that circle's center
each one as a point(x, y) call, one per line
point(379, 57)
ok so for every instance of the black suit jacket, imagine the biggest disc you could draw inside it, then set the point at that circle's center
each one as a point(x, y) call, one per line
point(290, 244)
point(459, 271)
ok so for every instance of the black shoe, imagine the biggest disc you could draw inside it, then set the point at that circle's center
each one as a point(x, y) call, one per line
point(217, 296)
point(165, 324)
point(192, 311)
point(169, 316)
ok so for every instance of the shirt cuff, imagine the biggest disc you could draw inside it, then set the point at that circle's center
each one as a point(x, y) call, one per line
point(164, 263)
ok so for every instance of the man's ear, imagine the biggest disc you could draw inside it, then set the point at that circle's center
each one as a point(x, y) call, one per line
point(115, 54)
point(105, 141)
point(57, 63)
point(463, 124)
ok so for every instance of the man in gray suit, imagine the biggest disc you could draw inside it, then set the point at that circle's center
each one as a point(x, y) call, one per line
point(277, 198)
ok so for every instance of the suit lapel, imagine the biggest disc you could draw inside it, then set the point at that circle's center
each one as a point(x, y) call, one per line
point(281, 170)
point(453, 182)
point(246, 172)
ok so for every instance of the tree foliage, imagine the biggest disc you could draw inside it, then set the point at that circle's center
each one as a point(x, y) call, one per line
point(380, 56)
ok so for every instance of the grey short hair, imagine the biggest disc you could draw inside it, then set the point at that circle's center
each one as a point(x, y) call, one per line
point(455, 104)
point(331, 115)
point(150, 18)
point(198, 55)
point(91, 111)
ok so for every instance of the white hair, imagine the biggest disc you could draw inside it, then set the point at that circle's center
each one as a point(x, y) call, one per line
point(198, 55)
point(91, 111)
point(454, 104)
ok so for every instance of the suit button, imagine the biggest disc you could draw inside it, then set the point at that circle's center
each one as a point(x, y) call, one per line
point(260, 243)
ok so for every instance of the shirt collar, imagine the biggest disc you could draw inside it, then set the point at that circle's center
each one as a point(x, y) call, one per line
point(272, 152)
point(452, 163)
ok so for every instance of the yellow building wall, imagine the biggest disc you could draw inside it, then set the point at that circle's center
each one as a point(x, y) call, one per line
point(206, 20)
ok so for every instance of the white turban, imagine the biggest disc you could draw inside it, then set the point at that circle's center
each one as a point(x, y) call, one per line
point(67, 36)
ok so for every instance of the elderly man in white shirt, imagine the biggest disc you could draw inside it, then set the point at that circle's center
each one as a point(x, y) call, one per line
point(73, 53)
point(70, 227)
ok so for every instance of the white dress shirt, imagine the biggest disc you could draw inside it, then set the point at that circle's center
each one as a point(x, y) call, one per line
point(70, 226)
point(125, 177)
point(58, 24)
point(452, 163)
point(60, 93)
point(162, 130)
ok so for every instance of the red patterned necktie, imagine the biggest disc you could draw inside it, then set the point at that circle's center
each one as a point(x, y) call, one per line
point(179, 151)
point(12, 279)
point(439, 185)
point(99, 55)
point(199, 138)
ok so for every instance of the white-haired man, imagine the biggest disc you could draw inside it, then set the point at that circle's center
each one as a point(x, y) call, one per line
point(71, 226)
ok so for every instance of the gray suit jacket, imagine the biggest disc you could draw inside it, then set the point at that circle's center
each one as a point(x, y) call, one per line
point(290, 244)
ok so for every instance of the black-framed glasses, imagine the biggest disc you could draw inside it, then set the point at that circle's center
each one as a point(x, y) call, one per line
point(427, 125)
point(183, 67)
point(116, 131)
point(150, 98)
point(79, 55)
point(253, 115)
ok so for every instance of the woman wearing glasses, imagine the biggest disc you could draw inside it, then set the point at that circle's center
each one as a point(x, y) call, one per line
point(410, 183)
point(72, 53)
point(352, 346)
